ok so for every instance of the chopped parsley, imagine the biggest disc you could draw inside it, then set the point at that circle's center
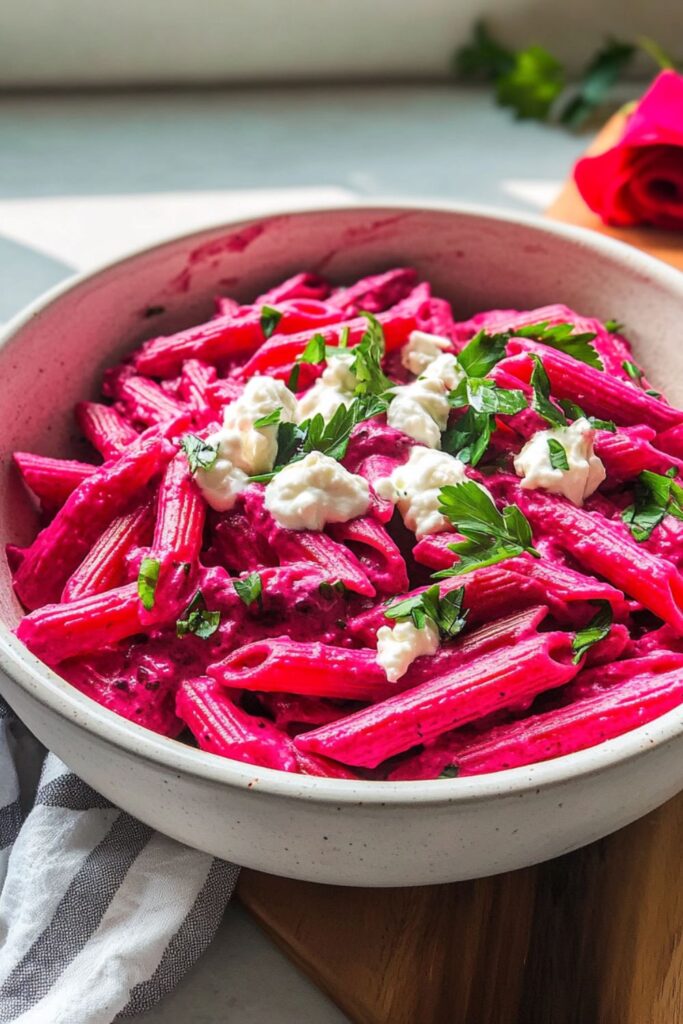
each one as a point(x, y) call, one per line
point(562, 338)
point(469, 437)
point(270, 318)
point(575, 412)
point(148, 577)
point(484, 395)
point(491, 535)
point(481, 354)
point(655, 496)
point(558, 454)
point(613, 326)
point(596, 630)
point(541, 401)
point(249, 589)
point(199, 453)
point(366, 365)
point(449, 771)
point(197, 619)
point(444, 612)
point(633, 371)
point(270, 419)
point(330, 590)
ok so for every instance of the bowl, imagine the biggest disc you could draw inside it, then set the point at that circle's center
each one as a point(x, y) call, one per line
point(325, 830)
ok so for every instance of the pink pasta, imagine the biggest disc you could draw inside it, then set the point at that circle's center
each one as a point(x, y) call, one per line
point(278, 557)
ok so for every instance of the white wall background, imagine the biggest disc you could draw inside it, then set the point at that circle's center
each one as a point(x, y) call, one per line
point(86, 42)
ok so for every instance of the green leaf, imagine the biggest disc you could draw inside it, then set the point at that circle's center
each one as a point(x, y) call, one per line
point(198, 619)
point(633, 371)
point(484, 395)
point(249, 589)
point(541, 400)
point(315, 350)
point(558, 454)
point(269, 419)
point(199, 453)
point(449, 771)
point(653, 394)
point(148, 577)
point(481, 354)
point(482, 57)
point(655, 496)
point(293, 381)
point(333, 589)
point(270, 318)
point(469, 437)
point(562, 338)
point(366, 365)
point(444, 612)
point(604, 69)
point(596, 630)
point(532, 84)
point(575, 412)
point(614, 326)
point(490, 535)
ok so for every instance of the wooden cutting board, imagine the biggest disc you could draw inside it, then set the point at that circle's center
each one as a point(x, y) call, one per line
point(595, 937)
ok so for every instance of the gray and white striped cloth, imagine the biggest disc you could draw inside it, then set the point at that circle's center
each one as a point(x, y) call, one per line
point(100, 916)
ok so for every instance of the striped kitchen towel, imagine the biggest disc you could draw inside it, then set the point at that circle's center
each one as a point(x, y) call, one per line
point(100, 916)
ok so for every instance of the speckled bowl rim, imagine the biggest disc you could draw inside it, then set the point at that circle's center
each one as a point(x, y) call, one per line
point(55, 694)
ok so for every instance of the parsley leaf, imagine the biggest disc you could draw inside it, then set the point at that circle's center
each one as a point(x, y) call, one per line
point(148, 577)
point(575, 412)
point(249, 589)
point(198, 619)
point(366, 365)
point(655, 496)
point(469, 437)
point(485, 396)
point(481, 354)
point(613, 326)
point(558, 454)
point(449, 771)
point(444, 612)
point(541, 402)
point(199, 453)
point(293, 381)
point(491, 535)
point(315, 350)
point(596, 630)
point(602, 72)
point(331, 590)
point(633, 371)
point(270, 318)
point(560, 337)
point(269, 419)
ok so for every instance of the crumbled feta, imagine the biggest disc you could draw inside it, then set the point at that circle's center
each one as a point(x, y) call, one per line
point(415, 487)
point(420, 410)
point(243, 449)
point(586, 471)
point(334, 388)
point(400, 645)
point(447, 369)
point(314, 491)
point(421, 349)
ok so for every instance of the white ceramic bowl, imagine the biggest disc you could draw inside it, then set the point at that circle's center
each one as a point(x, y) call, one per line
point(363, 833)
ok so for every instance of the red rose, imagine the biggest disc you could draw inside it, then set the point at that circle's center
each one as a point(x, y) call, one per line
point(640, 180)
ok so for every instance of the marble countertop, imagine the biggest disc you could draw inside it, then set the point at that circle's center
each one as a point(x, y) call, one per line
point(85, 177)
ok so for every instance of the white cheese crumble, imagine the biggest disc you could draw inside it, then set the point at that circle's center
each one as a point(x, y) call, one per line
point(317, 490)
point(586, 471)
point(400, 645)
point(415, 487)
point(420, 410)
point(447, 369)
point(243, 449)
point(421, 349)
point(333, 388)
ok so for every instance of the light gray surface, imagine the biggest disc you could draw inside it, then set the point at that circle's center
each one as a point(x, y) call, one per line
point(419, 141)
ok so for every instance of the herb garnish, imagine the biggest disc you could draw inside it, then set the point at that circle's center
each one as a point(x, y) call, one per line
point(444, 612)
point(249, 589)
point(366, 365)
point(450, 771)
point(199, 453)
point(270, 419)
point(633, 371)
point(558, 454)
point(655, 496)
point(613, 326)
point(469, 437)
point(541, 401)
point(560, 337)
point(148, 577)
point(329, 590)
point(270, 318)
point(491, 536)
point(575, 412)
point(481, 354)
point(198, 619)
point(596, 630)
